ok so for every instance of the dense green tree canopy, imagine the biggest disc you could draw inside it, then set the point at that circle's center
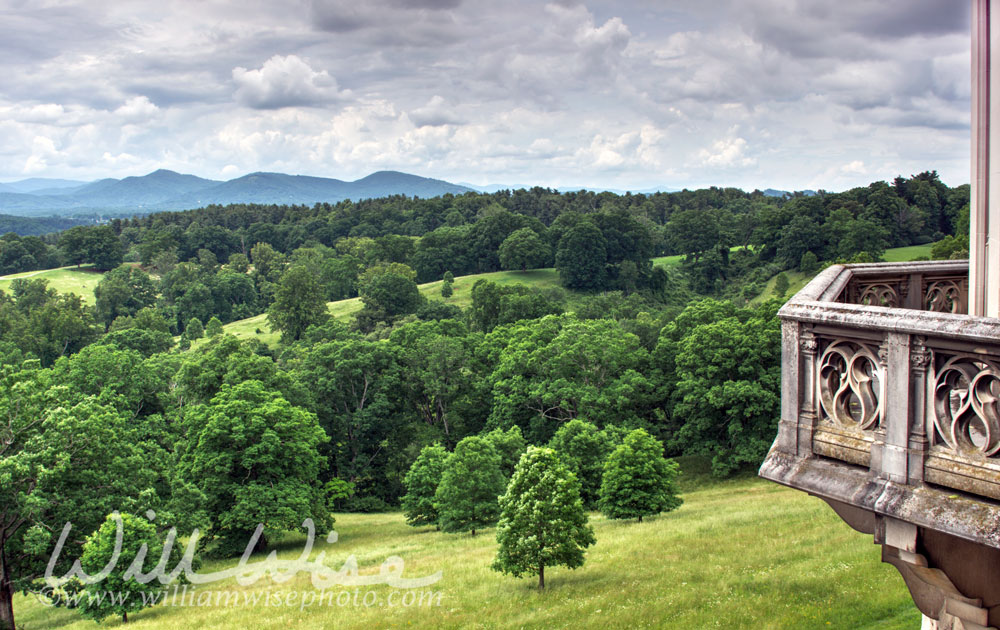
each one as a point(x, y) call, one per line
point(581, 257)
point(255, 459)
point(523, 249)
point(64, 457)
point(123, 291)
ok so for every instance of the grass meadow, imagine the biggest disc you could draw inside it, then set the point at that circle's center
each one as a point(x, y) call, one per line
point(80, 281)
point(738, 554)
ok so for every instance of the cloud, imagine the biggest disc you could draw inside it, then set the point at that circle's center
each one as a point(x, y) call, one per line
point(403, 16)
point(620, 93)
point(726, 153)
point(435, 114)
point(137, 109)
point(285, 82)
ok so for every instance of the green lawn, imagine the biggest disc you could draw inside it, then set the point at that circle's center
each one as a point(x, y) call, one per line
point(739, 554)
point(64, 280)
point(904, 254)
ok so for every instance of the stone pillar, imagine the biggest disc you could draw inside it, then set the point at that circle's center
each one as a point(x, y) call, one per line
point(984, 240)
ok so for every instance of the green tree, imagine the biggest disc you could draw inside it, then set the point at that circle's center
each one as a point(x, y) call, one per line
point(693, 232)
point(98, 551)
point(558, 368)
point(268, 264)
point(446, 289)
point(864, 236)
point(808, 263)
point(801, 234)
point(435, 358)
point(510, 446)
point(298, 304)
point(254, 458)
point(727, 388)
point(356, 389)
point(194, 329)
point(584, 448)
point(47, 324)
point(466, 498)
point(524, 248)
point(638, 481)
point(421, 485)
point(542, 519)
point(581, 257)
point(64, 457)
point(213, 328)
point(74, 243)
point(781, 285)
point(391, 292)
point(239, 263)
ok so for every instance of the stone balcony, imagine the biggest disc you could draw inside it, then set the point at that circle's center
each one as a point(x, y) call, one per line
point(891, 414)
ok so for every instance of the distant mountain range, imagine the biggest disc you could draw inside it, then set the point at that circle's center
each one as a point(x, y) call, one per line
point(167, 190)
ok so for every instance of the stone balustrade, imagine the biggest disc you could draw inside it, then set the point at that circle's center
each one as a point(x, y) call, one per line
point(891, 414)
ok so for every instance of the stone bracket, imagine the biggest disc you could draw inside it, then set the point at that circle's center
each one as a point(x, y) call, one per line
point(935, 595)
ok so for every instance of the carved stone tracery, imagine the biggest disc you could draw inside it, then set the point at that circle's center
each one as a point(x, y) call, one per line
point(879, 294)
point(945, 296)
point(966, 413)
point(850, 375)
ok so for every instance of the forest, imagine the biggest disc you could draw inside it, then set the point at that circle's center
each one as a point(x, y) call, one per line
point(108, 407)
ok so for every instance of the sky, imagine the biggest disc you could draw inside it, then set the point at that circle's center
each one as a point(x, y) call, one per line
point(626, 94)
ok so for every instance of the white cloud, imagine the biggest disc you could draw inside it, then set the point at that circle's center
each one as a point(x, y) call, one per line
point(435, 114)
point(285, 82)
point(726, 153)
point(137, 109)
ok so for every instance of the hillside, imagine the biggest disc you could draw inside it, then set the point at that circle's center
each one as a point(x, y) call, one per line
point(702, 566)
point(345, 309)
point(80, 281)
point(168, 190)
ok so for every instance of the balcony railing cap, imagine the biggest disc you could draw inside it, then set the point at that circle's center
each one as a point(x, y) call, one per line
point(815, 304)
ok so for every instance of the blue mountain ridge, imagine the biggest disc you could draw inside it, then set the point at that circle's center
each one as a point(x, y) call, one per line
point(168, 190)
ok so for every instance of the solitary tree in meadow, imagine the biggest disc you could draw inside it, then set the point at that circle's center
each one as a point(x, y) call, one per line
point(638, 481)
point(542, 520)
point(471, 483)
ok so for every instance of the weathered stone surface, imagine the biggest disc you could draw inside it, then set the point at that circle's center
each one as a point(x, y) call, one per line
point(892, 416)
